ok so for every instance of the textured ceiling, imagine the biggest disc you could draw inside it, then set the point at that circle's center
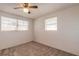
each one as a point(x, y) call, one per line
point(43, 9)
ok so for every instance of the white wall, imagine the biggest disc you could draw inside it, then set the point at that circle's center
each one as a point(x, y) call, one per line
point(13, 38)
point(67, 36)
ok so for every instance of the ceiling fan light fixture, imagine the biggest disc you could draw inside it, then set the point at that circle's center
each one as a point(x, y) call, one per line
point(25, 10)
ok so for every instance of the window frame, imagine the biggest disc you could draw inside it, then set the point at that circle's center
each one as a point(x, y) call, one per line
point(46, 25)
point(27, 26)
point(8, 23)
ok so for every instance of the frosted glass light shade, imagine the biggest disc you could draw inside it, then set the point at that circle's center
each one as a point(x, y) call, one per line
point(25, 10)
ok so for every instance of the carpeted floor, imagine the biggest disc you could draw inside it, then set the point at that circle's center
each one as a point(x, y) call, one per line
point(33, 49)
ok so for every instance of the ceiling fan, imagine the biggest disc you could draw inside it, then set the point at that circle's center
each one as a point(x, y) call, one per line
point(26, 7)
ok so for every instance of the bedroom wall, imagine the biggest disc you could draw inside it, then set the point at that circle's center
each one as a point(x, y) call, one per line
point(66, 37)
point(13, 38)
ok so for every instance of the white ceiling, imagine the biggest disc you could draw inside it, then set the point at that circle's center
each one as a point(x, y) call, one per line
point(43, 9)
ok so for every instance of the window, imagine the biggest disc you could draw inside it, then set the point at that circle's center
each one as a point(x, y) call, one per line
point(22, 25)
point(51, 24)
point(8, 24)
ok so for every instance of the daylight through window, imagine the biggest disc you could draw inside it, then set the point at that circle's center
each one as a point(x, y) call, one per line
point(51, 23)
point(10, 24)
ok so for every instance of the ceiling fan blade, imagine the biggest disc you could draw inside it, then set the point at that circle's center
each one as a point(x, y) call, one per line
point(33, 6)
point(18, 7)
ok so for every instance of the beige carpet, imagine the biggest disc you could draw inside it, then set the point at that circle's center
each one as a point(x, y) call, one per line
point(33, 49)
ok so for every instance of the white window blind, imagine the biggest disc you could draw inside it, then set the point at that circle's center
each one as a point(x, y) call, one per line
point(22, 25)
point(51, 23)
point(8, 24)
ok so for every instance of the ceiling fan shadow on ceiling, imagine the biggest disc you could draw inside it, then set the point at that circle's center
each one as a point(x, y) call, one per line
point(26, 7)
